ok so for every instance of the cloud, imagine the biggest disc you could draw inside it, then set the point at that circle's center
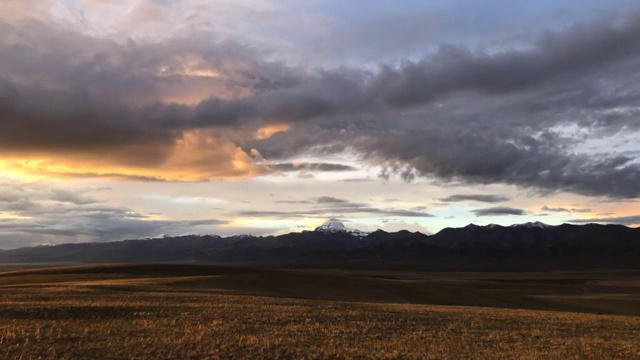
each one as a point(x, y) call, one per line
point(109, 111)
point(39, 213)
point(622, 220)
point(92, 226)
point(191, 157)
point(161, 91)
point(565, 55)
point(329, 212)
point(567, 210)
point(66, 196)
point(356, 180)
point(499, 211)
point(546, 208)
point(476, 197)
point(580, 210)
point(189, 105)
point(480, 158)
point(330, 200)
point(293, 202)
point(329, 206)
point(478, 118)
point(323, 167)
point(188, 200)
point(16, 195)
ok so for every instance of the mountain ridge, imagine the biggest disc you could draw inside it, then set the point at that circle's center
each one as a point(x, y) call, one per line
point(467, 248)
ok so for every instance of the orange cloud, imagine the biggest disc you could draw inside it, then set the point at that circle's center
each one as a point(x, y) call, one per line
point(197, 155)
point(270, 130)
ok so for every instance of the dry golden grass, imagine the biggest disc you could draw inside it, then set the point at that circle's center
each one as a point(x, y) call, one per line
point(121, 318)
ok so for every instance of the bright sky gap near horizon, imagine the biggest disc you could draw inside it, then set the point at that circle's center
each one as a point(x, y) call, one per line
point(128, 119)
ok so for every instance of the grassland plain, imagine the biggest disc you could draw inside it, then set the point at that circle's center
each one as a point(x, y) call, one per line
point(191, 312)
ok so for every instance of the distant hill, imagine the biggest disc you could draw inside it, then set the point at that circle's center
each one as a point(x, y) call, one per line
point(525, 247)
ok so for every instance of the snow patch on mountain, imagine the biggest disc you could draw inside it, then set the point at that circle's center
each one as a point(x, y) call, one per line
point(528, 225)
point(334, 225)
point(533, 225)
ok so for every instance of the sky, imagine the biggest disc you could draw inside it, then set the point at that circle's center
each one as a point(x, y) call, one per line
point(133, 119)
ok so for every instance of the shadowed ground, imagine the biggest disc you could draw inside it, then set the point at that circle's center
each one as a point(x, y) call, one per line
point(198, 311)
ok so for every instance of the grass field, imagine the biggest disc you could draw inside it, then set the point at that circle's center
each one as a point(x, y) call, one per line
point(195, 312)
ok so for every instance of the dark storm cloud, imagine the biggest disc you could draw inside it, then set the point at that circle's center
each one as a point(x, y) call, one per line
point(524, 161)
point(562, 55)
point(623, 220)
point(555, 56)
point(75, 125)
point(498, 211)
point(568, 55)
point(476, 197)
point(281, 92)
point(459, 114)
point(476, 137)
point(109, 96)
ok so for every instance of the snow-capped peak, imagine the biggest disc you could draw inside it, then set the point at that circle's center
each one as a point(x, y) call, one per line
point(334, 225)
point(531, 225)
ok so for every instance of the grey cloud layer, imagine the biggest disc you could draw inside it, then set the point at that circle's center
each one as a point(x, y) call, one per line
point(49, 214)
point(289, 167)
point(498, 211)
point(476, 197)
point(623, 220)
point(483, 119)
point(458, 114)
point(328, 206)
point(567, 210)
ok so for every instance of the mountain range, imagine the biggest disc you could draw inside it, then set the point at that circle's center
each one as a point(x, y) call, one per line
point(524, 247)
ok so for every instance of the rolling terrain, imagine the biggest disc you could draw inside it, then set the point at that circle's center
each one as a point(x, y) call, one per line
point(538, 291)
point(203, 311)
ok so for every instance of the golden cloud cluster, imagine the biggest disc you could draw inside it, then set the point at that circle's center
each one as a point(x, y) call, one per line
point(195, 156)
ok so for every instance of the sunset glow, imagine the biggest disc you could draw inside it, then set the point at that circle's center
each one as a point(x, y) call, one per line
point(406, 115)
